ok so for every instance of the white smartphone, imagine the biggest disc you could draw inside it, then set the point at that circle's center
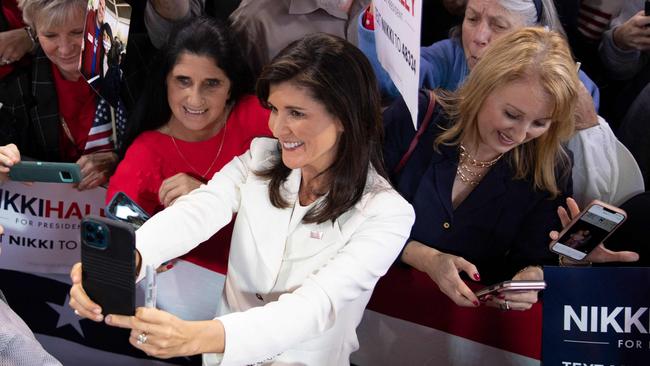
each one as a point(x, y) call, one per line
point(594, 224)
point(512, 285)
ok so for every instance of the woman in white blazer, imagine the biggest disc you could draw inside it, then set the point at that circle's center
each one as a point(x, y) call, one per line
point(317, 223)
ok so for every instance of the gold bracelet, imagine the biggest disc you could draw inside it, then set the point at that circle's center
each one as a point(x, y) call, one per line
point(565, 262)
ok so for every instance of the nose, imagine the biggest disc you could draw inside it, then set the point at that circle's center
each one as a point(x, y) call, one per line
point(482, 34)
point(195, 97)
point(67, 46)
point(278, 124)
point(519, 132)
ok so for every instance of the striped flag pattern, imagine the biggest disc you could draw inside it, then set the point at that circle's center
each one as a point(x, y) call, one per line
point(100, 136)
point(594, 17)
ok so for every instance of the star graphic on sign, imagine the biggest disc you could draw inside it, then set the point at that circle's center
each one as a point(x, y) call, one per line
point(67, 316)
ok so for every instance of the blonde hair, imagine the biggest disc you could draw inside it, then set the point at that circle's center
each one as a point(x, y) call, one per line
point(49, 12)
point(530, 53)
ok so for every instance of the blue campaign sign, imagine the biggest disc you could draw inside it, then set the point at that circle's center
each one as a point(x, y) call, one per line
point(596, 316)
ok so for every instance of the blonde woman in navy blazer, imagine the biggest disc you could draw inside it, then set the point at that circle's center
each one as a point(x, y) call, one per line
point(317, 223)
point(490, 171)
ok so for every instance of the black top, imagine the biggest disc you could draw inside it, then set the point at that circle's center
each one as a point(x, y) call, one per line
point(501, 227)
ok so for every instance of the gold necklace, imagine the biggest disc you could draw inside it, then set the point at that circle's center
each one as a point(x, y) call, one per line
point(474, 178)
point(466, 157)
point(213, 160)
point(466, 179)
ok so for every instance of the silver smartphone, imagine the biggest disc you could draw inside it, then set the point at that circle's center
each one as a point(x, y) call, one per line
point(594, 224)
point(512, 285)
point(123, 208)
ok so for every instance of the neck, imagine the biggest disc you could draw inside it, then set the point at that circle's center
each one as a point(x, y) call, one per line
point(479, 151)
point(70, 76)
point(311, 185)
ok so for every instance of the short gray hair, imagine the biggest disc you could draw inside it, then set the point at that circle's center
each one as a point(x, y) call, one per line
point(526, 9)
point(49, 12)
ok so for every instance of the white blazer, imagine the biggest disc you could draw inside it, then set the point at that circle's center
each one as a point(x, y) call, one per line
point(294, 292)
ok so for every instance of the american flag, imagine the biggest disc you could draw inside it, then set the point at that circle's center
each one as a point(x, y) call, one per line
point(100, 137)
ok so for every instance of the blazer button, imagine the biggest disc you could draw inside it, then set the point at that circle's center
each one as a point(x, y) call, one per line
point(259, 297)
point(446, 225)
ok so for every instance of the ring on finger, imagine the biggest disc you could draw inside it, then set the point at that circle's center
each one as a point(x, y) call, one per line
point(76, 312)
point(507, 305)
point(142, 338)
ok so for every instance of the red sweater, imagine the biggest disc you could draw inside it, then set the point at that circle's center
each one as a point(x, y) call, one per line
point(153, 158)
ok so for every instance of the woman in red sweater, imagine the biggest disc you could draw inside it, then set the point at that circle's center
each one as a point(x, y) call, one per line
point(194, 119)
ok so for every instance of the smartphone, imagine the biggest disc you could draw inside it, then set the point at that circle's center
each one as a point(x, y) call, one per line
point(123, 208)
point(647, 7)
point(108, 264)
point(591, 227)
point(45, 171)
point(512, 285)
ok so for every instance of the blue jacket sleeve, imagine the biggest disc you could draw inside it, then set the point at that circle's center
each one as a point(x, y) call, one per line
point(592, 88)
point(367, 46)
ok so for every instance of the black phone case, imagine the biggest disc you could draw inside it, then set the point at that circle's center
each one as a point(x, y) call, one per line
point(108, 275)
point(120, 198)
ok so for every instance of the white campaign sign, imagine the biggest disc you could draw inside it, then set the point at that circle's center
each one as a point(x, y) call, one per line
point(41, 225)
point(397, 36)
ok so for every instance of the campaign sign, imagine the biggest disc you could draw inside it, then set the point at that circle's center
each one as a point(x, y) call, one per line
point(397, 36)
point(596, 316)
point(41, 224)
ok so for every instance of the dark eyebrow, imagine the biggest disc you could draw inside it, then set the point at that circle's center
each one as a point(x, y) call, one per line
point(294, 107)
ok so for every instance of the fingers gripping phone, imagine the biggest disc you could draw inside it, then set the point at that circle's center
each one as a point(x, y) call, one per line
point(45, 171)
point(512, 285)
point(108, 264)
point(123, 208)
point(591, 227)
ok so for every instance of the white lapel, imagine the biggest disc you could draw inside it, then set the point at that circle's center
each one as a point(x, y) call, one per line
point(268, 225)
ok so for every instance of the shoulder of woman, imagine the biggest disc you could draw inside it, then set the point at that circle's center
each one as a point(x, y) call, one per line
point(147, 145)
point(380, 198)
point(248, 111)
point(263, 151)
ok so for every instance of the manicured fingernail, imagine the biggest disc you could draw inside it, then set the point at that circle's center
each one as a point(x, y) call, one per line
point(476, 303)
point(97, 310)
point(170, 266)
point(109, 319)
point(99, 318)
point(477, 276)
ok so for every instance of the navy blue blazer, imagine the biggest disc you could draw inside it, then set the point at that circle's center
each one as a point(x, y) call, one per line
point(501, 227)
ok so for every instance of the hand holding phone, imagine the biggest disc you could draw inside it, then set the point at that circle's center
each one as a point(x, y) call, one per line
point(44, 171)
point(511, 285)
point(588, 229)
point(108, 264)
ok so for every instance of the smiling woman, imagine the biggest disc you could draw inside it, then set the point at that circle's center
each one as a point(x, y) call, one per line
point(49, 111)
point(490, 171)
point(317, 223)
point(195, 117)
